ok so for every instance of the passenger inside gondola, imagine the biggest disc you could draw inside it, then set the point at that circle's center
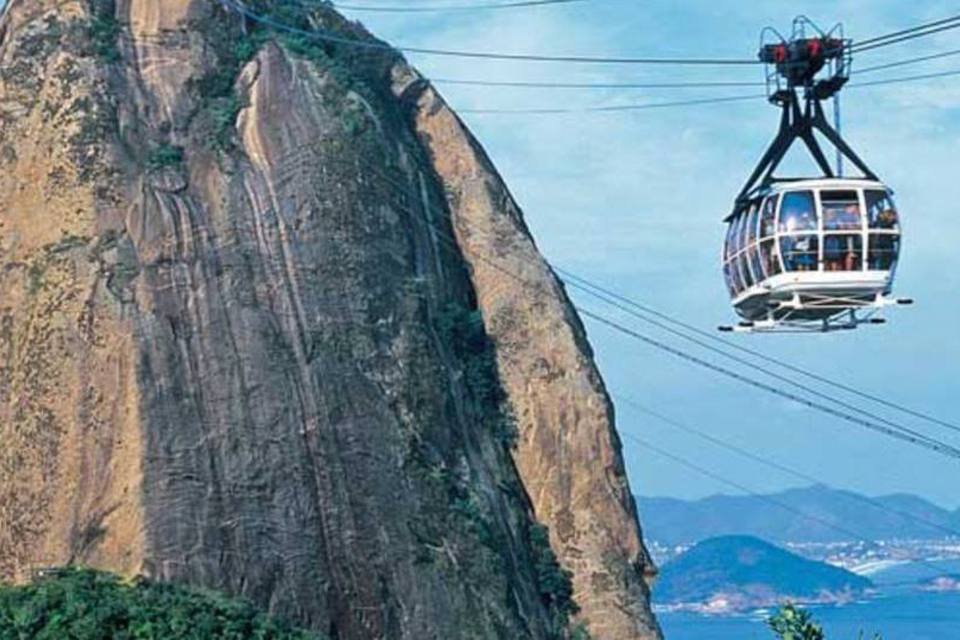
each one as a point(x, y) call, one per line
point(797, 213)
point(799, 252)
point(842, 253)
point(881, 211)
point(884, 249)
point(841, 210)
point(768, 255)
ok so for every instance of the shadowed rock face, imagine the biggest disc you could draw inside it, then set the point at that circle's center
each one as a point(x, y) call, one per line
point(237, 279)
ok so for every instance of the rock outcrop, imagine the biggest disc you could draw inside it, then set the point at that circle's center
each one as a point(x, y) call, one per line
point(271, 323)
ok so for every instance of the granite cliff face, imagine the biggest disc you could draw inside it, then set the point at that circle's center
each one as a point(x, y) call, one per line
point(270, 322)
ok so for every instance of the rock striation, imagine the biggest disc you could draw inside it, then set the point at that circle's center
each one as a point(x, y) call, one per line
point(271, 323)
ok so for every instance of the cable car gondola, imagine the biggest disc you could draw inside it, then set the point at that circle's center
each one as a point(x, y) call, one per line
point(819, 253)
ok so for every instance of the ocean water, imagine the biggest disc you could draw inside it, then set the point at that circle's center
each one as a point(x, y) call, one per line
point(900, 612)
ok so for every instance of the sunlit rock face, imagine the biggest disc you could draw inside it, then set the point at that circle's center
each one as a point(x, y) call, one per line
point(271, 323)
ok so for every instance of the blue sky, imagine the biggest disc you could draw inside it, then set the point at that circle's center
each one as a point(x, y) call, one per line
point(634, 201)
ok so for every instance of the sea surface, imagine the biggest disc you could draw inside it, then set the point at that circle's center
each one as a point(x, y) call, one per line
point(899, 612)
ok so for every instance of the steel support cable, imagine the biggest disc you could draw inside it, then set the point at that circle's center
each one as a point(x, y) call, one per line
point(903, 32)
point(622, 107)
point(923, 76)
point(703, 435)
point(885, 43)
point(740, 487)
point(238, 6)
point(934, 445)
point(581, 283)
point(349, 6)
point(684, 103)
point(765, 498)
point(908, 61)
point(922, 441)
point(628, 309)
point(594, 85)
point(664, 85)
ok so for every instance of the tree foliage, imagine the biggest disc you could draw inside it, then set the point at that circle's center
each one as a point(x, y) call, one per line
point(79, 604)
point(793, 623)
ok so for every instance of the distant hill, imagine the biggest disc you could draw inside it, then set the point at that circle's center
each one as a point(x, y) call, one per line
point(741, 572)
point(671, 521)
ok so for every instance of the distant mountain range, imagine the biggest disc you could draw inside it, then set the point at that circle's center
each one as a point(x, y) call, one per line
point(743, 572)
point(671, 521)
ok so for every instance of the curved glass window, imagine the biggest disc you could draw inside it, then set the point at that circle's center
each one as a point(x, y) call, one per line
point(883, 251)
point(797, 212)
point(728, 278)
point(768, 221)
point(735, 275)
point(755, 263)
point(768, 256)
point(735, 234)
point(881, 211)
point(745, 269)
point(841, 210)
point(800, 253)
point(843, 252)
point(745, 218)
point(752, 220)
point(728, 248)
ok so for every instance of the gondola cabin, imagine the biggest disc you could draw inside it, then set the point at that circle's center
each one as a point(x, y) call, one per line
point(809, 254)
point(808, 250)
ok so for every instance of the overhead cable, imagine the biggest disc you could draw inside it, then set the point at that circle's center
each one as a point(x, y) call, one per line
point(902, 32)
point(349, 6)
point(594, 85)
point(855, 535)
point(240, 7)
point(580, 282)
point(937, 446)
point(805, 477)
point(643, 106)
point(694, 84)
point(683, 103)
point(924, 76)
point(914, 36)
point(908, 61)
point(630, 310)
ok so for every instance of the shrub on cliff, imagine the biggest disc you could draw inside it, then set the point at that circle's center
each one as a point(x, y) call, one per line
point(792, 623)
point(88, 605)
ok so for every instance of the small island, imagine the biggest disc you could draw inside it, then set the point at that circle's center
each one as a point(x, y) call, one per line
point(731, 574)
point(942, 584)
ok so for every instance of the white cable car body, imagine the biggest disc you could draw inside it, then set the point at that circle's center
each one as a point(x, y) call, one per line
point(810, 254)
point(813, 254)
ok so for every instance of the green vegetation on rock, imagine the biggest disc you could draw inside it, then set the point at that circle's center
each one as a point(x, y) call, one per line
point(104, 30)
point(792, 623)
point(463, 330)
point(80, 604)
point(555, 582)
point(220, 104)
point(165, 156)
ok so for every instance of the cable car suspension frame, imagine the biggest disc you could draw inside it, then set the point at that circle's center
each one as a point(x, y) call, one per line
point(792, 66)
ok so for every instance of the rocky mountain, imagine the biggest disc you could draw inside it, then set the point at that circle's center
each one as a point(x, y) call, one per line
point(671, 521)
point(742, 572)
point(271, 323)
